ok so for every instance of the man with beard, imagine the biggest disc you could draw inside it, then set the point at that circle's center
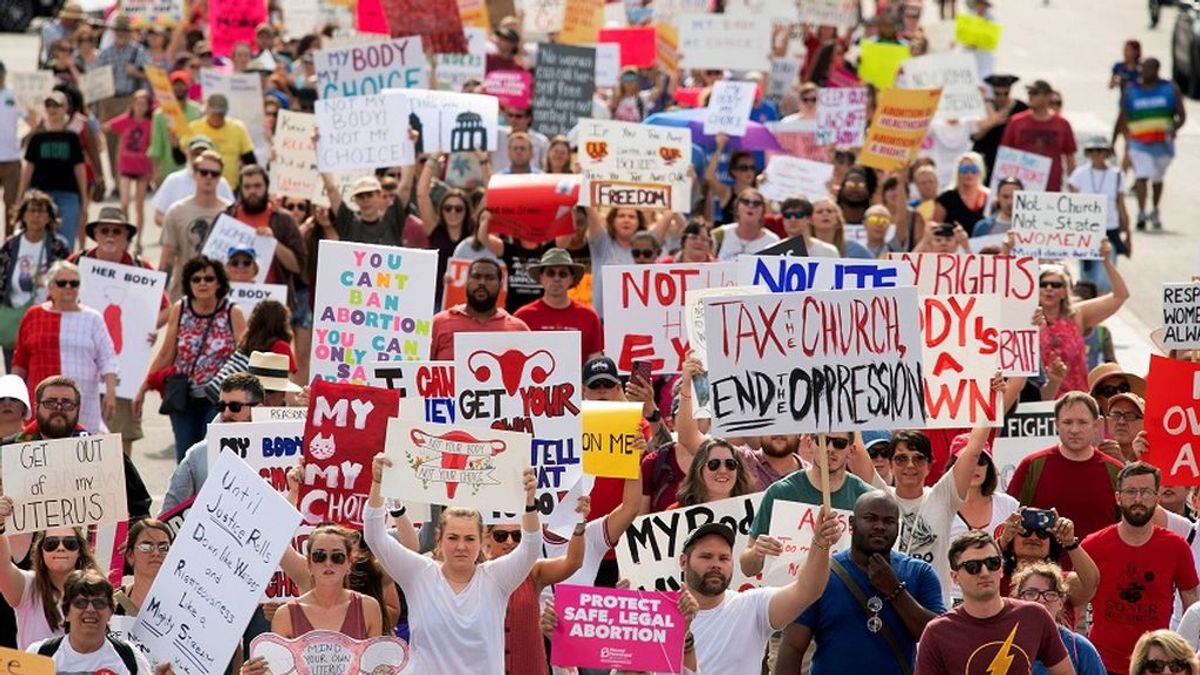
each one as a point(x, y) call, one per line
point(1141, 568)
point(776, 457)
point(875, 606)
point(254, 208)
point(479, 314)
point(732, 629)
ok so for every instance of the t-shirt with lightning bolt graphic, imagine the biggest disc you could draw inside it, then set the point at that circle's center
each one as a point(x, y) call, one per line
point(1007, 643)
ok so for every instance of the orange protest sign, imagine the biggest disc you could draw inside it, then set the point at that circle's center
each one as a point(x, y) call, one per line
point(165, 96)
point(901, 120)
point(474, 13)
point(26, 664)
point(666, 45)
point(581, 22)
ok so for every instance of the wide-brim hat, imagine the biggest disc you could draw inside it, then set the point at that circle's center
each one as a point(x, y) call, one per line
point(111, 215)
point(1105, 371)
point(121, 22)
point(271, 369)
point(72, 10)
point(556, 257)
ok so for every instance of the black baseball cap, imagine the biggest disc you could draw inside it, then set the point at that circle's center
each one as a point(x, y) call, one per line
point(724, 531)
point(600, 368)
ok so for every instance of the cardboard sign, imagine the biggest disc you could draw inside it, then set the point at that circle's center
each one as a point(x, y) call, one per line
point(65, 482)
point(777, 365)
point(564, 83)
point(97, 84)
point(377, 306)
point(634, 165)
point(366, 70)
point(729, 105)
point(452, 122)
point(454, 70)
point(228, 232)
point(247, 296)
point(129, 298)
point(1181, 316)
point(840, 13)
point(1032, 169)
point(610, 432)
point(1059, 224)
point(795, 177)
point(326, 652)
point(513, 88)
point(879, 62)
point(785, 73)
point(961, 352)
point(1171, 423)
point(787, 274)
point(794, 524)
point(426, 388)
point(18, 662)
point(638, 44)
point(262, 413)
point(612, 628)
point(1014, 279)
point(1026, 430)
point(455, 290)
point(901, 121)
point(536, 207)
point(581, 21)
point(164, 97)
point(974, 31)
point(361, 133)
point(294, 166)
point(245, 94)
point(644, 310)
point(444, 464)
point(30, 88)
point(143, 13)
point(234, 21)
point(841, 116)
point(527, 382)
point(216, 570)
point(721, 42)
point(956, 74)
point(344, 429)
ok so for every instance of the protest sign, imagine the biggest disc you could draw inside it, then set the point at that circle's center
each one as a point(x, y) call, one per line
point(1181, 316)
point(785, 72)
point(365, 70)
point(144, 13)
point(455, 290)
point(795, 177)
point(634, 165)
point(638, 44)
point(454, 70)
point(234, 21)
point(1172, 421)
point(268, 448)
point(1027, 429)
point(956, 74)
point(1032, 169)
point(788, 274)
point(247, 295)
point(129, 298)
point(164, 97)
point(445, 464)
point(261, 413)
point(535, 207)
point(841, 116)
point(245, 94)
point(878, 62)
point(65, 482)
point(694, 314)
point(798, 138)
point(435, 22)
point(379, 307)
point(97, 84)
point(301, 18)
point(30, 88)
point(777, 367)
point(666, 46)
point(665, 10)
point(326, 652)
point(729, 105)
point(1014, 279)
point(564, 81)
point(718, 41)
point(18, 662)
point(972, 30)
point(228, 233)
point(581, 21)
point(474, 13)
point(426, 388)
point(794, 524)
point(215, 573)
point(344, 429)
point(368, 17)
point(644, 310)
point(610, 433)
point(513, 88)
point(612, 628)
point(452, 122)
point(294, 166)
point(901, 121)
point(608, 63)
point(543, 17)
point(359, 133)
point(1059, 224)
point(960, 351)
point(841, 13)
point(526, 382)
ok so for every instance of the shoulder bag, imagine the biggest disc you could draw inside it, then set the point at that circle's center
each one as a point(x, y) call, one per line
point(888, 637)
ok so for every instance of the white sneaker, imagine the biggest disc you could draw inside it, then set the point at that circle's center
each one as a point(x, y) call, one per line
point(1154, 221)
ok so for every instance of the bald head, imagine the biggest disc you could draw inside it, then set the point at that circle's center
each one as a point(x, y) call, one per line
point(875, 523)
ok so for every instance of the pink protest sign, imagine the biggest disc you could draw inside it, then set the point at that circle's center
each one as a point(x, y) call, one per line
point(638, 45)
point(331, 653)
point(234, 21)
point(369, 18)
point(512, 87)
point(610, 628)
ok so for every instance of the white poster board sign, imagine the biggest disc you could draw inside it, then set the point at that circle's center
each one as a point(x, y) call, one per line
point(637, 165)
point(129, 298)
point(841, 13)
point(454, 70)
point(247, 296)
point(368, 69)
point(228, 232)
point(64, 482)
point(1181, 316)
point(721, 41)
point(788, 176)
point(841, 116)
point(729, 107)
point(957, 75)
point(794, 524)
point(360, 133)
point(294, 167)
point(608, 63)
point(97, 84)
point(30, 88)
point(452, 122)
point(1059, 224)
point(426, 388)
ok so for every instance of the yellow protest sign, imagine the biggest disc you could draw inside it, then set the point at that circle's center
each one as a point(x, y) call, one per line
point(474, 13)
point(878, 62)
point(666, 38)
point(165, 95)
point(901, 121)
point(13, 661)
point(610, 432)
point(581, 22)
point(972, 30)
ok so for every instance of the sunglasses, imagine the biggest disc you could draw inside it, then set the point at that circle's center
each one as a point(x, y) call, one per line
point(878, 220)
point(1174, 665)
point(204, 279)
point(1109, 390)
point(729, 464)
point(110, 231)
point(795, 215)
point(968, 168)
point(1040, 534)
point(843, 157)
point(98, 604)
point(1053, 284)
point(557, 273)
point(59, 404)
point(298, 206)
point(240, 261)
point(1124, 417)
point(234, 407)
point(52, 543)
point(750, 203)
point(642, 252)
point(321, 555)
point(208, 173)
point(454, 208)
point(837, 443)
point(602, 384)
point(914, 460)
point(67, 283)
point(150, 547)
point(743, 167)
point(501, 536)
point(974, 567)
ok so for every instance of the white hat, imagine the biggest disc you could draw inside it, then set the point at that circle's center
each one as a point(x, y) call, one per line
point(12, 386)
point(271, 369)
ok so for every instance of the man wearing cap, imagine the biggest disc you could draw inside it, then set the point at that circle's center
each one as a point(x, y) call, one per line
point(1003, 106)
point(162, 147)
point(376, 222)
point(255, 208)
point(181, 184)
point(186, 223)
point(54, 164)
point(1098, 178)
point(479, 314)
point(1123, 420)
point(558, 273)
point(1152, 113)
point(228, 135)
point(1043, 132)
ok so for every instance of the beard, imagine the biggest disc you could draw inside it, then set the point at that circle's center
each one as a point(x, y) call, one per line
point(860, 202)
point(481, 304)
point(254, 205)
point(1138, 518)
point(55, 424)
point(709, 585)
point(772, 449)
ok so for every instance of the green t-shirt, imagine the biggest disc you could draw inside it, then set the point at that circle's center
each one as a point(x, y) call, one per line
point(796, 487)
point(160, 140)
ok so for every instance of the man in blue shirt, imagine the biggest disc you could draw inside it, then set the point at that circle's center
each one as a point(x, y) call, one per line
point(900, 594)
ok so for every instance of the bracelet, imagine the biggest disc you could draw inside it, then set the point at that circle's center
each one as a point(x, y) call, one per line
point(397, 513)
point(1072, 546)
point(820, 546)
point(689, 642)
point(896, 593)
point(530, 508)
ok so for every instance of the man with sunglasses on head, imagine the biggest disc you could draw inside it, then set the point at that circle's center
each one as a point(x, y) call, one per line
point(988, 634)
point(558, 273)
point(187, 221)
point(255, 208)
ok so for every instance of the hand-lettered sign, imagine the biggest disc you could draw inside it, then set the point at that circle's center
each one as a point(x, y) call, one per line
point(841, 116)
point(1059, 224)
point(448, 121)
point(901, 121)
point(961, 351)
point(129, 298)
point(1031, 169)
point(1181, 316)
point(564, 82)
point(234, 21)
point(794, 524)
point(729, 105)
point(365, 70)
point(610, 433)
point(426, 388)
point(721, 42)
point(789, 274)
point(612, 628)
point(228, 232)
point(270, 448)
point(164, 97)
point(634, 165)
point(360, 132)
point(454, 70)
point(64, 482)
point(956, 74)
point(294, 166)
point(1171, 422)
point(326, 652)
point(247, 295)
point(796, 177)
point(437, 22)
point(21, 663)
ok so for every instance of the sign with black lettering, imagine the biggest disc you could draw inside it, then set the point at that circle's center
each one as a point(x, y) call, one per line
point(128, 297)
point(1058, 224)
point(634, 165)
point(1181, 316)
point(64, 482)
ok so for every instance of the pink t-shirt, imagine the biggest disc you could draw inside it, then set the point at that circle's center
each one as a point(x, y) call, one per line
point(132, 159)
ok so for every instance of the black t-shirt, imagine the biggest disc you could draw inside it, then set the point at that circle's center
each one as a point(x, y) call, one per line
point(958, 212)
point(54, 155)
point(521, 289)
point(387, 231)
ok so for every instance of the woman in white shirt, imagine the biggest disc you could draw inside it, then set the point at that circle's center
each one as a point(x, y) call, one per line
point(984, 508)
point(456, 602)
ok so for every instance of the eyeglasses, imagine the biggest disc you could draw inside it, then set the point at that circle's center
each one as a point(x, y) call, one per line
point(556, 272)
point(743, 167)
point(1033, 595)
point(205, 55)
point(321, 555)
point(1161, 666)
point(1124, 417)
point(794, 215)
point(234, 407)
point(1053, 284)
point(1040, 534)
point(501, 536)
point(914, 460)
point(1108, 390)
point(730, 464)
point(878, 220)
point(968, 168)
point(204, 279)
point(837, 443)
point(808, 99)
point(974, 567)
point(240, 261)
point(750, 203)
point(1138, 493)
point(63, 404)
point(454, 208)
point(98, 604)
point(151, 547)
point(67, 283)
point(298, 206)
point(208, 173)
point(50, 105)
point(642, 252)
point(52, 543)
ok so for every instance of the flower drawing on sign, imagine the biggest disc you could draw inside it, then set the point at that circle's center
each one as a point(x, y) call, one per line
point(670, 155)
point(513, 364)
point(453, 458)
point(597, 150)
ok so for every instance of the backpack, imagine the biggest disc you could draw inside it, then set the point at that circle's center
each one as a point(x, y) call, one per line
point(1029, 486)
point(124, 650)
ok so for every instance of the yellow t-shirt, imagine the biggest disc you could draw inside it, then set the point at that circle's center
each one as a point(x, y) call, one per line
point(232, 141)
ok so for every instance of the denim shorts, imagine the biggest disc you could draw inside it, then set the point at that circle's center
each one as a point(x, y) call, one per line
point(302, 317)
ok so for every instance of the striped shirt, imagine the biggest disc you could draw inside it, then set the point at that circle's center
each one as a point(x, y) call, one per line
point(1150, 113)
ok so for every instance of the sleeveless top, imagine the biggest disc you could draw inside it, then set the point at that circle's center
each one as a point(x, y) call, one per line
point(1062, 338)
point(524, 648)
point(212, 349)
point(353, 626)
point(1150, 113)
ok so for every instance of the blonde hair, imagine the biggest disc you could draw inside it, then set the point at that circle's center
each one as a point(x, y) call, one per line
point(971, 157)
point(1170, 642)
point(1064, 305)
point(458, 512)
point(839, 235)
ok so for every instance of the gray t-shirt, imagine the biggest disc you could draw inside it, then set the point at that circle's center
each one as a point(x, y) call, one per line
point(185, 227)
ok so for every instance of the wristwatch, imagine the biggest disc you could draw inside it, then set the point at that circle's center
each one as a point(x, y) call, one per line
point(1072, 546)
point(654, 417)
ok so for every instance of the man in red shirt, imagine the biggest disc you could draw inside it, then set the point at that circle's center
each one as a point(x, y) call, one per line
point(1141, 566)
point(1043, 132)
point(558, 273)
point(479, 314)
point(1073, 476)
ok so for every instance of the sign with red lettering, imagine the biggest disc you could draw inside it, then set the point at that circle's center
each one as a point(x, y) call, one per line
point(437, 21)
point(537, 207)
point(794, 524)
point(234, 21)
point(455, 290)
point(1172, 420)
point(645, 309)
point(1059, 224)
point(635, 165)
point(426, 388)
point(346, 426)
point(961, 342)
point(527, 382)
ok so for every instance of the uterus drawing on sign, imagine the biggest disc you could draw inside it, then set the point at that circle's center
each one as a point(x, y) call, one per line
point(453, 458)
point(112, 315)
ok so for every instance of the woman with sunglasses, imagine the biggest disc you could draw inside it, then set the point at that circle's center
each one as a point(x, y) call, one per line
point(717, 472)
point(1163, 651)
point(1043, 583)
point(145, 549)
point(451, 221)
point(748, 232)
point(964, 202)
point(984, 508)
point(1067, 321)
point(1021, 548)
point(742, 172)
point(25, 257)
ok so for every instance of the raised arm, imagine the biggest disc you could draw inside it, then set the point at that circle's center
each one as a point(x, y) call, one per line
point(1084, 578)
point(620, 518)
point(494, 243)
point(690, 436)
point(429, 215)
point(400, 563)
point(794, 598)
point(1093, 312)
point(12, 582)
point(510, 570)
point(721, 190)
point(964, 467)
point(550, 571)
